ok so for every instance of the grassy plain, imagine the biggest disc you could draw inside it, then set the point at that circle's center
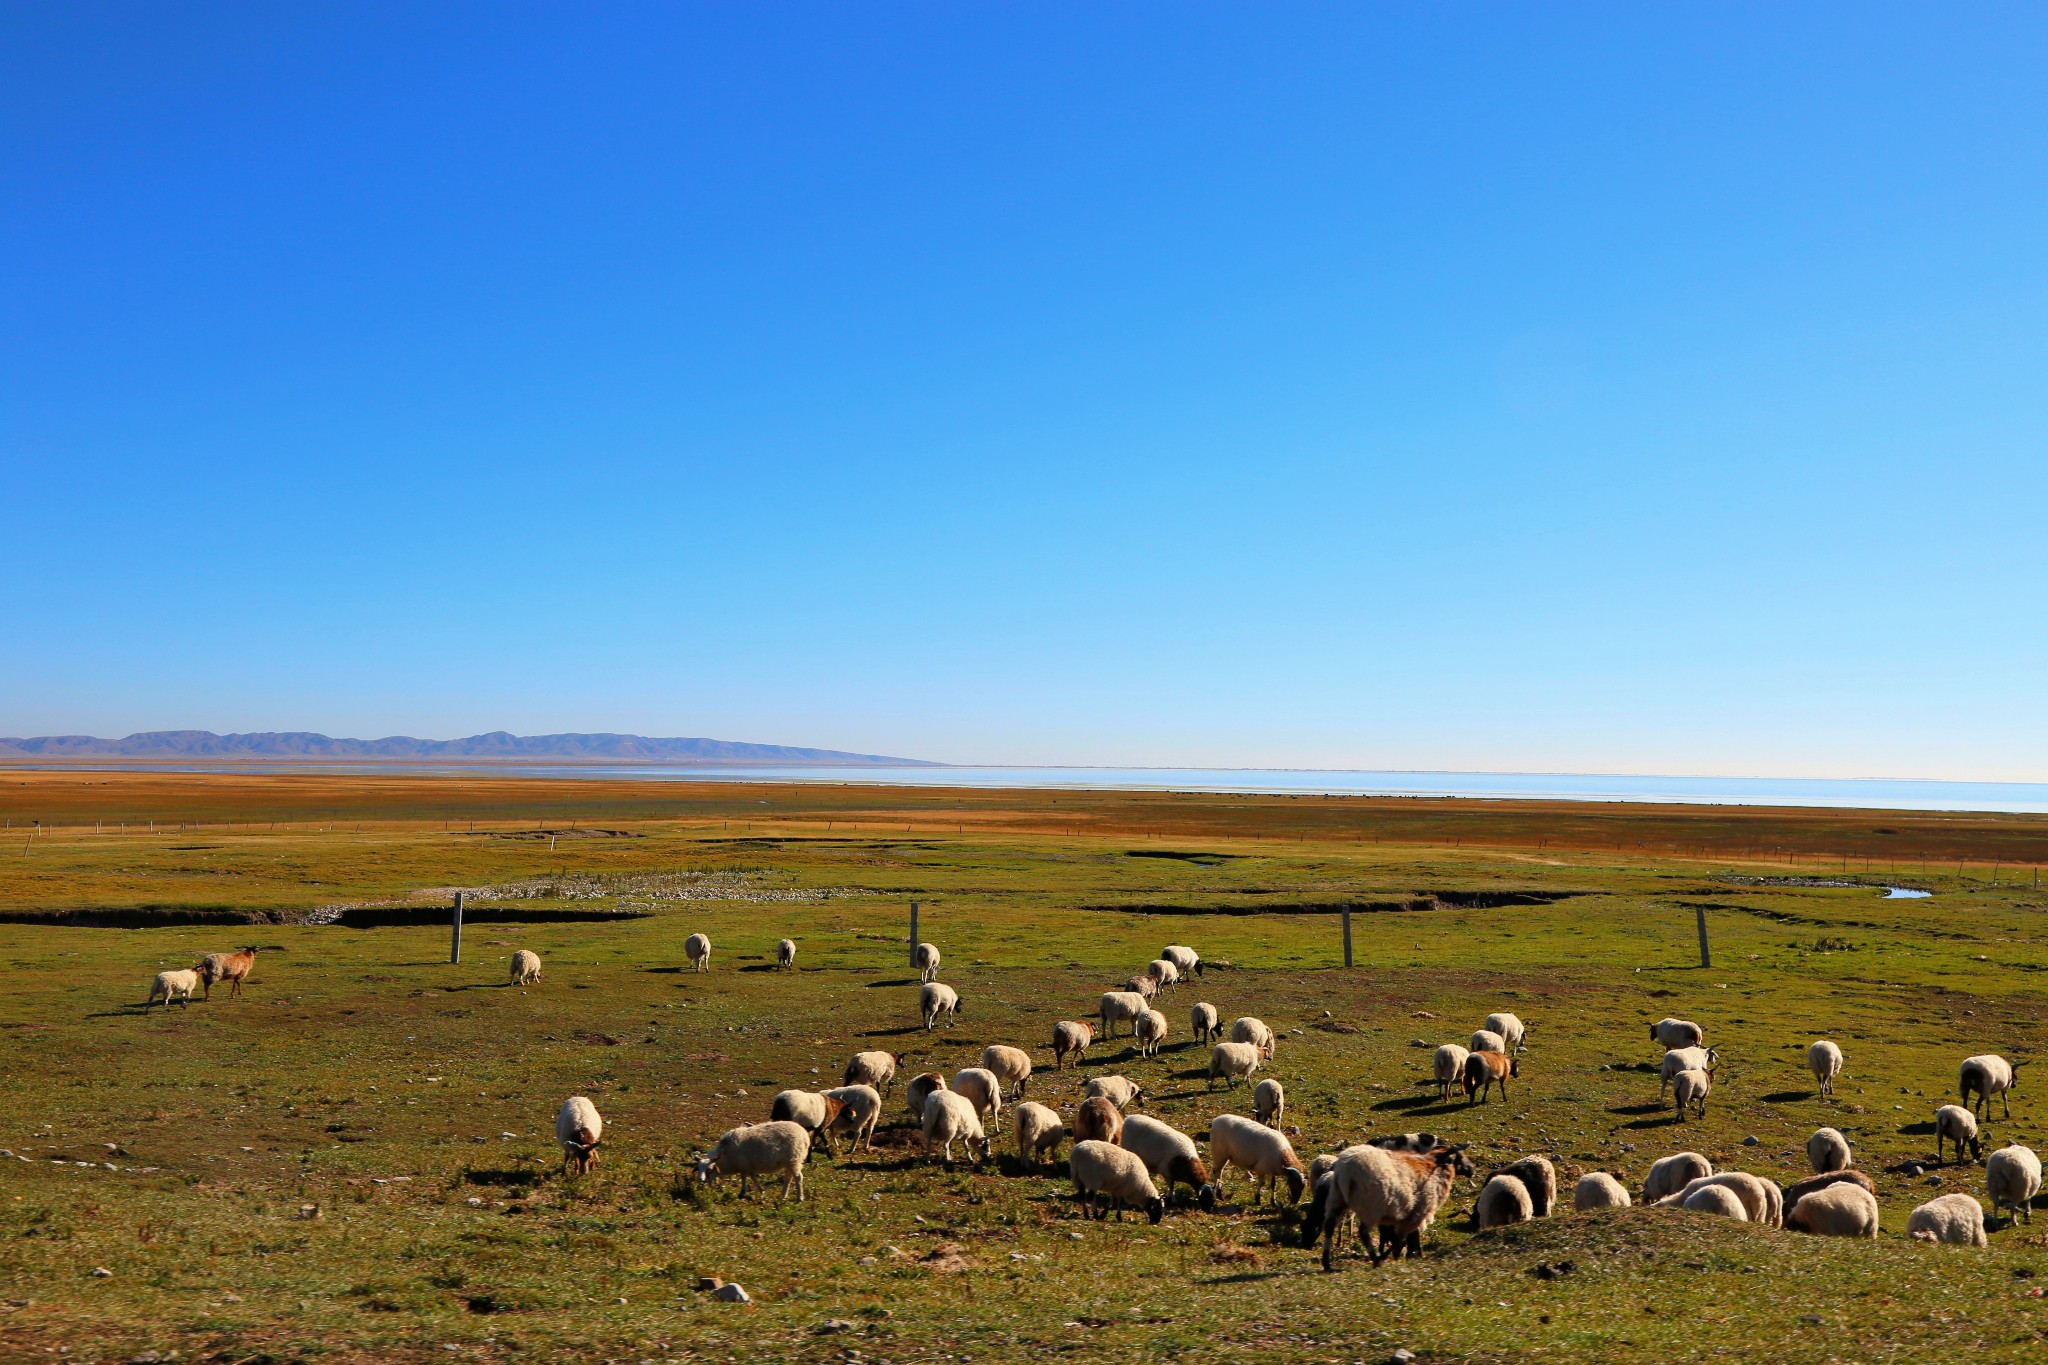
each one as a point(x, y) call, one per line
point(354, 1161)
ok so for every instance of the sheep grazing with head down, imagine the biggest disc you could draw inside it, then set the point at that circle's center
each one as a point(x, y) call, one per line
point(1510, 1029)
point(1121, 1091)
point(1448, 1064)
point(1070, 1037)
point(1011, 1066)
point(1952, 1219)
point(877, 1069)
point(1098, 1120)
point(951, 1118)
point(1407, 1142)
point(1685, 1059)
point(926, 961)
point(1142, 986)
point(525, 967)
point(1689, 1090)
point(1232, 1061)
point(1677, 1033)
point(1955, 1124)
point(1798, 1190)
point(1486, 1040)
point(1393, 1194)
point(1988, 1075)
point(233, 968)
point(697, 948)
point(1485, 1070)
point(1163, 971)
point(1269, 1102)
point(579, 1128)
point(1039, 1129)
point(1169, 1154)
point(1151, 1032)
point(1204, 1022)
point(1539, 1178)
point(861, 1110)
point(756, 1150)
point(980, 1085)
point(177, 986)
point(1824, 1060)
point(1718, 1200)
point(919, 1089)
point(1599, 1190)
point(1503, 1200)
point(1673, 1173)
point(935, 998)
point(1827, 1150)
point(785, 954)
point(814, 1113)
point(2012, 1177)
point(1119, 1007)
point(1761, 1201)
point(1250, 1030)
point(1260, 1152)
point(1108, 1177)
point(1185, 959)
point(1843, 1210)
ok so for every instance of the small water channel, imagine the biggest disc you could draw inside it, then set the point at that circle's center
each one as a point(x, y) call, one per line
point(1905, 893)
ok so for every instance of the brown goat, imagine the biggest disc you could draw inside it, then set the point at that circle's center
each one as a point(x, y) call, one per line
point(1484, 1070)
point(1098, 1120)
point(232, 968)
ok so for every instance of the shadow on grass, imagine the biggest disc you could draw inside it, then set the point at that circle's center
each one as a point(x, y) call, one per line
point(1656, 1108)
point(895, 981)
point(1421, 1104)
point(1790, 1097)
point(1245, 1277)
point(506, 1176)
point(1920, 1129)
point(1668, 1121)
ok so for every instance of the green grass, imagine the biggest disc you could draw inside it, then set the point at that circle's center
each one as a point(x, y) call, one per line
point(295, 1168)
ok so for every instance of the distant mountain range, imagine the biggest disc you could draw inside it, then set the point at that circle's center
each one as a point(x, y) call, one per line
point(196, 744)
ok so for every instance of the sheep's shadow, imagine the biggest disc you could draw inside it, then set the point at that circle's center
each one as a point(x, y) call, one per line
point(895, 981)
point(1670, 1121)
point(1793, 1097)
point(1418, 1104)
point(895, 1032)
point(1920, 1129)
point(670, 971)
point(1638, 1108)
point(1245, 1277)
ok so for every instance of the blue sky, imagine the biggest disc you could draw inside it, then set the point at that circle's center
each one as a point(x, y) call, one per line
point(1610, 388)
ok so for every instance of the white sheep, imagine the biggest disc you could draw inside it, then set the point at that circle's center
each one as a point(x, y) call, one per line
point(1718, 1200)
point(1685, 1059)
point(1163, 971)
point(1119, 1007)
point(1504, 1200)
point(814, 1113)
point(1955, 1124)
point(755, 1150)
point(177, 985)
point(1250, 1030)
point(950, 1118)
point(1677, 1033)
point(1844, 1210)
point(1689, 1090)
point(1674, 1173)
point(785, 954)
point(1204, 1022)
point(1762, 1201)
point(1599, 1190)
point(919, 1089)
point(1988, 1075)
point(1169, 1154)
point(1144, 986)
point(1185, 959)
point(1449, 1067)
point(1070, 1036)
point(1120, 1091)
point(1263, 1153)
point(1269, 1102)
point(1827, 1150)
point(1039, 1129)
point(1953, 1219)
point(697, 948)
point(1395, 1194)
point(1486, 1040)
point(861, 1110)
point(1799, 1189)
point(935, 998)
point(980, 1085)
point(1511, 1030)
point(1011, 1067)
point(1232, 1061)
point(525, 967)
point(926, 960)
point(1107, 1176)
point(1824, 1060)
point(877, 1069)
point(1151, 1032)
point(2012, 1177)
point(579, 1128)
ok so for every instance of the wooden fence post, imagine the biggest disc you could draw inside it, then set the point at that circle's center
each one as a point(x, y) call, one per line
point(455, 938)
point(1706, 958)
point(1347, 936)
point(913, 933)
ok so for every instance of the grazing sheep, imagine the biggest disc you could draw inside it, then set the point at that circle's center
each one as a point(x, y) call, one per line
point(1504, 1200)
point(1762, 1202)
point(1988, 1075)
point(1070, 1036)
point(1106, 1176)
point(1098, 1120)
point(926, 960)
point(1263, 1153)
point(1599, 1190)
point(1449, 1063)
point(1677, 1033)
point(1232, 1060)
point(1539, 1178)
point(1827, 1150)
point(920, 1089)
point(1952, 1219)
point(1039, 1129)
point(755, 1150)
point(1511, 1030)
point(1119, 1007)
point(1204, 1021)
point(1486, 1040)
point(877, 1069)
point(1685, 1059)
point(1151, 1032)
point(814, 1113)
point(861, 1110)
point(1010, 1065)
point(1164, 972)
point(697, 948)
point(935, 998)
point(1120, 1091)
point(1269, 1102)
point(233, 968)
point(1958, 1125)
point(1824, 1060)
point(1485, 1070)
point(177, 985)
point(785, 954)
point(579, 1128)
point(2012, 1177)
point(1169, 1154)
point(1186, 960)
point(1407, 1142)
point(1674, 1173)
point(1250, 1030)
point(1843, 1210)
point(980, 1085)
point(1144, 987)
point(1689, 1089)
point(950, 1118)
point(1396, 1194)
point(1798, 1190)
point(525, 967)
point(1718, 1200)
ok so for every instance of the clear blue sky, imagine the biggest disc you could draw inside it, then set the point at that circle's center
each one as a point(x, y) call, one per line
point(1615, 388)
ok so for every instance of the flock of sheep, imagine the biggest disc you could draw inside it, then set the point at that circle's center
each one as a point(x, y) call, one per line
point(1391, 1188)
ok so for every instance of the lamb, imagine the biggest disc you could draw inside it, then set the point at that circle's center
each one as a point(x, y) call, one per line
point(1070, 1035)
point(1539, 1178)
point(861, 1111)
point(1263, 1153)
point(1510, 1029)
point(1144, 987)
point(1098, 1120)
point(756, 1150)
point(1170, 1155)
point(1484, 1070)
point(1269, 1102)
point(579, 1128)
point(1250, 1030)
point(877, 1069)
point(950, 1118)
point(1677, 1033)
point(1827, 1150)
point(2012, 1177)
point(1011, 1066)
point(1718, 1200)
point(1800, 1189)
point(1039, 1129)
point(1449, 1062)
point(1958, 1125)
point(1185, 959)
point(1395, 1193)
point(1673, 1173)
point(926, 960)
point(1164, 972)
point(233, 968)
point(1203, 1020)
point(814, 1113)
point(177, 985)
point(1685, 1059)
point(935, 998)
point(1599, 1190)
point(1120, 1091)
point(1504, 1200)
point(785, 954)
point(697, 948)
point(1824, 1060)
point(1232, 1060)
point(1843, 1210)
point(1689, 1089)
point(1151, 1032)
point(980, 1085)
point(1486, 1040)
point(525, 967)
point(920, 1089)
point(1953, 1219)
point(1988, 1075)
point(1119, 1007)
point(1107, 1176)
